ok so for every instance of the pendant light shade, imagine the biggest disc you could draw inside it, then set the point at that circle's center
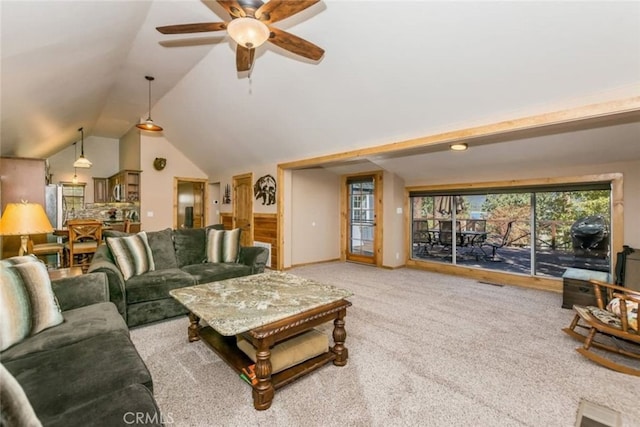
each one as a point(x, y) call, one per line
point(148, 124)
point(82, 161)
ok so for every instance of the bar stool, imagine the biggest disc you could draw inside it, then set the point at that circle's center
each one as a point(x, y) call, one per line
point(43, 250)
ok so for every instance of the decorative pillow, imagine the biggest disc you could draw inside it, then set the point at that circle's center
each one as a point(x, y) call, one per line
point(132, 254)
point(19, 260)
point(15, 312)
point(16, 408)
point(190, 245)
point(27, 302)
point(223, 245)
point(632, 311)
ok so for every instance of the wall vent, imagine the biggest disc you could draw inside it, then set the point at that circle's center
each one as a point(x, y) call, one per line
point(265, 245)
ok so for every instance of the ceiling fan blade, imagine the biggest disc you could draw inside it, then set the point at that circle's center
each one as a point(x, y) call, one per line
point(277, 10)
point(244, 58)
point(295, 44)
point(192, 28)
point(233, 8)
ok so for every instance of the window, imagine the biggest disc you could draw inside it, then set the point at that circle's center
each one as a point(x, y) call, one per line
point(72, 199)
point(534, 230)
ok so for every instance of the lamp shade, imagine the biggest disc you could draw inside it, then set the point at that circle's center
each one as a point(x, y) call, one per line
point(82, 162)
point(248, 32)
point(21, 219)
point(149, 125)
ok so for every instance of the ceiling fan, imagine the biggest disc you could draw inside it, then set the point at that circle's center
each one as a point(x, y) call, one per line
point(250, 26)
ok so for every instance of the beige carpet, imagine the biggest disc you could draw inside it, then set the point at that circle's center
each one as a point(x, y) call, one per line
point(424, 349)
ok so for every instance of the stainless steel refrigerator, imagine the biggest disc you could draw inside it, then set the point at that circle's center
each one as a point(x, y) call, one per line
point(53, 205)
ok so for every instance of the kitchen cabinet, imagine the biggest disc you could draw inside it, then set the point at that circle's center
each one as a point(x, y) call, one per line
point(100, 190)
point(125, 186)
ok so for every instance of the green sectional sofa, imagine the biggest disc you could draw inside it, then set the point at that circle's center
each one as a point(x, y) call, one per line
point(83, 371)
point(180, 259)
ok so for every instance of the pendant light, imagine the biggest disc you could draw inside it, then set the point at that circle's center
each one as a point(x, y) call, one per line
point(74, 180)
point(148, 124)
point(82, 161)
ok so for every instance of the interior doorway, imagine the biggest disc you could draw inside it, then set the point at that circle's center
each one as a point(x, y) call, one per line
point(243, 207)
point(362, 195)
point(190, 203)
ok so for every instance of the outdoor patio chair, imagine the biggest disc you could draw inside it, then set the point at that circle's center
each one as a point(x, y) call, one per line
point(496, 242)
point(615, 325)
point(445, 233)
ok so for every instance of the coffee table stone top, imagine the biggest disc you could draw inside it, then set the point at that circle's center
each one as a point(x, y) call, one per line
point(238, 305)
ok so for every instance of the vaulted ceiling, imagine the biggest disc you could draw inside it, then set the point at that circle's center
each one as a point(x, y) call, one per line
point(392, 71)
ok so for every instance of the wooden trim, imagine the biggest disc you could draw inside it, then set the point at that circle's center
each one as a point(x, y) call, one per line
point(280, 215)
point(497, 277)
point(536, 282)
point(573, 116)
point(344, 214)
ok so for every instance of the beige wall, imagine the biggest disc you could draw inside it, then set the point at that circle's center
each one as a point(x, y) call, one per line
point(102, 152)
point(130, 150)
point(156, 207)
point(315, 216)
point(393, 250)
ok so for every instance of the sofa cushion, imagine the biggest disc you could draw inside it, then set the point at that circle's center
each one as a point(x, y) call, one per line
point(79, 324)
point(55, 381)
point(131, 405)
point(190, 245)
point(223, 245)
point(161, 244)
point(155, 285)
point(213, 272)
point(132, 254)
point(15, 408)
point(27, 302)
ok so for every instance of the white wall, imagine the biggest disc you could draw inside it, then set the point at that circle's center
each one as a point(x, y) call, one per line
point(315, 216)
point(102, 152)
point(156, 206)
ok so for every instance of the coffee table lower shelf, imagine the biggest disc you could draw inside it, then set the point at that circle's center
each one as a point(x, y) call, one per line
point(266, 336)
point(226, 348)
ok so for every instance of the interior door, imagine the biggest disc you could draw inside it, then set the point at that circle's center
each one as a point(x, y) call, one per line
point(363, 200)
point(243, 207)
point(190, 210)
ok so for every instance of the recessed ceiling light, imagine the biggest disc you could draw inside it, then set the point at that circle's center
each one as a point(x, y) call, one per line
point(460, 146)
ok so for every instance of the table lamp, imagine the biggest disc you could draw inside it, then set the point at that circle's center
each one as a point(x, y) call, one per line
point(23, 219)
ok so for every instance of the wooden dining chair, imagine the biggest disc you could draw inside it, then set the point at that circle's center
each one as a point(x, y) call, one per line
point(44, 250)
point(84, 238)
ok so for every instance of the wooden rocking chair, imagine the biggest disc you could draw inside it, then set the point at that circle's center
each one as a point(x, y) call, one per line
point(617, 320)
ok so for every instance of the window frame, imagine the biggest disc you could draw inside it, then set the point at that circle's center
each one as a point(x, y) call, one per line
point(538, 282)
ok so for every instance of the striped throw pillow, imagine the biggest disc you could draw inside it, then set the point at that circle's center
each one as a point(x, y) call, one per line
point(27, 302)
point(132, 254)
point(223, 245)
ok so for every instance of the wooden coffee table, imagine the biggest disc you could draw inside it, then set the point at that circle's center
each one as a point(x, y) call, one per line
point(265, 309)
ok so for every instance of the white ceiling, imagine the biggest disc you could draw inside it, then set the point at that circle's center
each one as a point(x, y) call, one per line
point(393, 70)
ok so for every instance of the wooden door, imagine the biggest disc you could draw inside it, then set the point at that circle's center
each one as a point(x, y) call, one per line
point(190, 203)
point(243, 207)
point(363, 214)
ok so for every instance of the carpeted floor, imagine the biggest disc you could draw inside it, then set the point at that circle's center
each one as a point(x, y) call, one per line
point(424, 349)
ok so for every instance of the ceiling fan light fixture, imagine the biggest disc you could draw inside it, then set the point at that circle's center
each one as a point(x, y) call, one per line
point(148, 124)
point(82, 161)
point(248, 32)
